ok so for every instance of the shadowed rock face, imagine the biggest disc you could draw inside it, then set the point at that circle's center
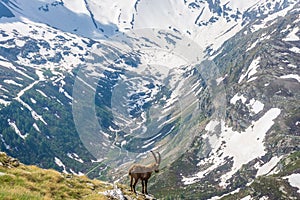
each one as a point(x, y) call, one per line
point(5, 12)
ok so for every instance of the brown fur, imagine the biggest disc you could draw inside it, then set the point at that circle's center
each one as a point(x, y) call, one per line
point(143, 172)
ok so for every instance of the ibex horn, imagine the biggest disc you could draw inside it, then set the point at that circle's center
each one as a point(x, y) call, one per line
point(159, 157)
point(154, 156)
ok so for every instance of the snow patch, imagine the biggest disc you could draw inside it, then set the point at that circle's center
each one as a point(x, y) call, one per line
point(292, 66)
point(59, 163)
point(252, 79)
point(210, 127)
point(21, 93)
point(5, 103)
point(77, 174)
point(35, 126)
point(294, 180)
point(20, 43)
point(291, 76)
point(247, 197)
point(42, 93)
point(13, 83)
point(97, 161)
point(237, 97)
point(252, 45)
point(33, 100)
point(219, 80)
point(267, 167)
point(263, 37)
point(252, 69)
point(220, 197)
point(271, 17)
point(3, 142)
point(295, 49)
point(255, 106)
point(74, 156)
point(16, 129)
point(76, 6)
point(240, 147)
point(292, 35)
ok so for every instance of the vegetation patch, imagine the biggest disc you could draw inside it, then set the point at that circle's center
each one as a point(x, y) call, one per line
point(22, 182)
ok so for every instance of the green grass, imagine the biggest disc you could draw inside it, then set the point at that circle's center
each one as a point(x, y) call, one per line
point(23, 182)
point(290, 164)
point(31, 182)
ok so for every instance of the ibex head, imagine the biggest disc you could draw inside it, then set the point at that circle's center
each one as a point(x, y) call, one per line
point(157, 161)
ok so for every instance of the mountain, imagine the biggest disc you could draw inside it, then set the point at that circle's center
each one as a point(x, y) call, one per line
point(260, 128)
point(211, 85)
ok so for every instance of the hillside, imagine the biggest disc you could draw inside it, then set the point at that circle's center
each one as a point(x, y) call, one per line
point(260, 125)
point(21, 182)
point(277, 179)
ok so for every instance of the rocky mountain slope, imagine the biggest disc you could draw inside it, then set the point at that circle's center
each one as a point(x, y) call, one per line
point(214, 87)
point(261, 125)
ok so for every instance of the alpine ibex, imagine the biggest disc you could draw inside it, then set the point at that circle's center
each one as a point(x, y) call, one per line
point(143, 172)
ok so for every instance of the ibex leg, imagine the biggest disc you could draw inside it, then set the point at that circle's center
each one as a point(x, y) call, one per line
point(146, 181)
point(131, 180)
point(134, 184)
point(143, 187)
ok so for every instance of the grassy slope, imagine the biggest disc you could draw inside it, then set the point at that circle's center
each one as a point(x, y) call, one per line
point(22, 182)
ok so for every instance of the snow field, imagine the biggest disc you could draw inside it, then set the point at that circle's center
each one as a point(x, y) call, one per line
point(294, 180)
point(240, 147)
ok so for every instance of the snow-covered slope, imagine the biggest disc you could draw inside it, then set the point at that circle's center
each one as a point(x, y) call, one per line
point(209, 23)
point(68, 16)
